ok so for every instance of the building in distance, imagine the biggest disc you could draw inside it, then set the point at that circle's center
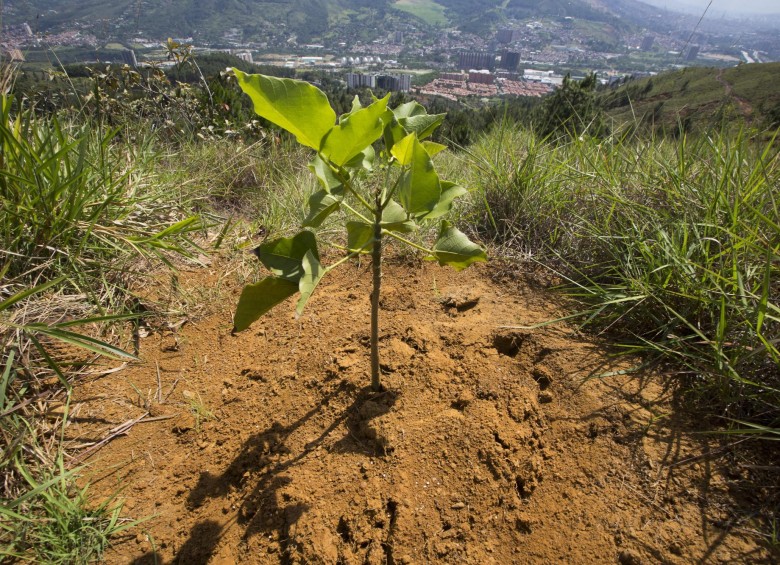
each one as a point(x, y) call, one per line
point(508, 35)
point(476, 60)
point(389, 82)
point(245, 56)
point(510, 60)
point(481, 77)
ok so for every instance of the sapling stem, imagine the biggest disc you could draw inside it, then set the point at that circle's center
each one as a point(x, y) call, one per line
point(376, 271)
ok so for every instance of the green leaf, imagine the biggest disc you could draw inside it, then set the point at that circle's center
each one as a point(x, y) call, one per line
point(283, 256)
point(433, 148)
point(324, 174)
point(82, 341)
point(395, 218)
point(453, 248)
point(9, 363)
point(356, 105)
point(13, 299)
point(359, 237)
point(363, 160)
point(423, 126)
point(419, 189)
point(393, 134)
point(414, 118)
point(97, 320)
point(312, 274)
point(257, 299)
point(321, 205)
point(355, 132)
point(409, 109)
point(449, 192)
point(293, 105)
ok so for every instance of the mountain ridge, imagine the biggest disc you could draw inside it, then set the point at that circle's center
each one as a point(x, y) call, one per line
point(308, 20)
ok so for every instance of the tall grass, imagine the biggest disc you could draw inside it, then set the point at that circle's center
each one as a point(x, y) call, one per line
point(78, 219)
point(266, 182)
point(74, 204)
point(672, 247)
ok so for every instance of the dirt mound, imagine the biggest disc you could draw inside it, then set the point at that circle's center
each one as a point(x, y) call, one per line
point(486, 447)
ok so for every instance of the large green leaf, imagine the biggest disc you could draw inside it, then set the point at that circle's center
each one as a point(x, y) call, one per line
point(363, 160)
point(312, 274)
point(355, 132)
point(423, 126)
point(433, 148)
point(414, 118)
point(449, 192)
point(453, 248)
point(324, 174)
point(283, 256)
point(257, 299)
point(419, 189)
point(321, 205)
point(395, 218)
point(409, 109)
point(359, 235)
point(293, 105)
point(393, 134)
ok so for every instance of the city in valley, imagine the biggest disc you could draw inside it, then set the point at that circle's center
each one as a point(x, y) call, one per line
point(401, 52)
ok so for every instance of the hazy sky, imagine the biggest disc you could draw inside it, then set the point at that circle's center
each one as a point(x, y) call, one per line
point(751, 6)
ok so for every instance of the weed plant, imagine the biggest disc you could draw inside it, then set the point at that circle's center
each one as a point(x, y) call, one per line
point(672, 247)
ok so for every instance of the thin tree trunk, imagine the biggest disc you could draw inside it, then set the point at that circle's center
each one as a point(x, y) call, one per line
point(376, 270)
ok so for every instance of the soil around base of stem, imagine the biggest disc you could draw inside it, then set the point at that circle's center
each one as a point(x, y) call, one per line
point(489, 445)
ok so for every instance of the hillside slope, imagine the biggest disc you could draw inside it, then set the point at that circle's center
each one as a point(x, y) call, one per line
point(307, 19)
point(698, 98)
point(479, 17)
point(202, 19)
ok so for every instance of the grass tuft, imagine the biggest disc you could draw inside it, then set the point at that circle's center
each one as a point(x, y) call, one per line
point(670, 247)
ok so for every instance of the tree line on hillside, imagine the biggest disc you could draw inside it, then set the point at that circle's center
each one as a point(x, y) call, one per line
point(197, 98)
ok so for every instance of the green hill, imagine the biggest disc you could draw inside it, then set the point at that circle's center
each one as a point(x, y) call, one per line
point(309, 20)
point(210, 20)
point(699, 98)
point(479, 17)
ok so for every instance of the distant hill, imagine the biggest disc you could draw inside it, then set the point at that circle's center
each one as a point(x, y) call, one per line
point(309, 20)
point(699, 98)
point(480, 16)
point(204, 20)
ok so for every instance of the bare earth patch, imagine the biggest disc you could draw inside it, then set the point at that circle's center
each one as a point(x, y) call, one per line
point(487, 447)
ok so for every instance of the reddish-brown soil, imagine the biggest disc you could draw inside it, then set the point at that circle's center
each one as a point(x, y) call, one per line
point(489, 445)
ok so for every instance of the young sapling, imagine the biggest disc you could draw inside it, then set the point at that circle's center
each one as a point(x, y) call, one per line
point(412, 193)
